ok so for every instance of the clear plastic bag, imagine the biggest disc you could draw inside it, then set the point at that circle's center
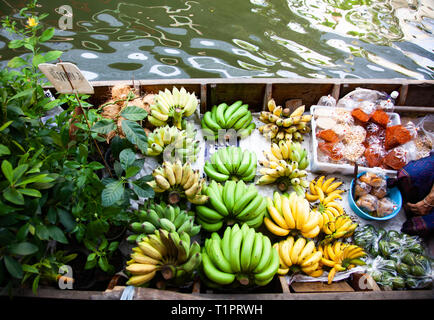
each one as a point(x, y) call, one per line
point(361, 189)
point(328, 101)
point(385, 207)
point(381, 191)
point(368, 202)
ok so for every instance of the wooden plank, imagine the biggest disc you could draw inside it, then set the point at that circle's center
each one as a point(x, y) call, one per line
point(336, 91)
point(149, 294)
point(402, 95)
point(363, 282)
point(203, 98)
point(340, 286)
point(268, 95)
point(284, 284)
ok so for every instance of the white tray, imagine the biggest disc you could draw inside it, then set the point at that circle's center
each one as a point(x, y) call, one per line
point(346, 169)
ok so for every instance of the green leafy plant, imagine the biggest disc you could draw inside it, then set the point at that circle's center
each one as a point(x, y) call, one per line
point(115, 191)
point(100, 255)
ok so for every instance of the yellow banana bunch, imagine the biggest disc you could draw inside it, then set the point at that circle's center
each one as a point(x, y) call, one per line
point(168, 252)
point(339, 256)
point(341, 227)
point(300, 254)
point(172, 105)
point(329, 212)
point(324, 190)
point(291, 213)
point(285, 164)
point(179, 181)
point(179, 143)
point(281, 124)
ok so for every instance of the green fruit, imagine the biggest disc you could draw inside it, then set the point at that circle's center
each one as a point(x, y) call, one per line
point(220, 114)
point(409, 258)
point(384, 248)
point(417, 271)
point(231, 109)
point(212, 173)
point(376, 275)
point(403, 269)
point(398, 283)
point(222, 278)
point(393, 235)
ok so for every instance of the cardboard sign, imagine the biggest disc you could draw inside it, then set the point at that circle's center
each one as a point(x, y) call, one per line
point(76, 83)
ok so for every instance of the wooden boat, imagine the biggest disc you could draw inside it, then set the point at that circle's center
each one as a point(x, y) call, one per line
point(416, 98)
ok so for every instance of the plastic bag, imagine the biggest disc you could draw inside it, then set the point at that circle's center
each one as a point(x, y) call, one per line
point(372, 179)
point(424, 141)
point(381, 191)
point(385, 207)
point(368, 202)
point(397, 260)
point(361, 189)
point(328, 101)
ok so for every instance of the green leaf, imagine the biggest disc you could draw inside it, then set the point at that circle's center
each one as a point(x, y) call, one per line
point(52, 55)
point(104, 126)
point(29, 268)
point(66, 219)
point(71, 164)
point(25, 93)
point(127, 158)
point(42, 232)
point(47, 34)
point(112, 193)
point(30, 192)
point(103, 245)
point(143, 191)
point(38, 59)
point(12, 195)
point(36, 284)
point(52, 215)
point(4, 151)
point(13, 267)
point(41, 178)
point(14, 44)
point(16, 62)
point(23, 248)
point(103, 264)
point(94, 165)
point(135, 134)
point(90, 264)
point(91, 256)
point(113, 246)
point(134, 113)
point(8, 171)
point(5, 125)
point(19, 171)
point(131, 172)
point(57, 234)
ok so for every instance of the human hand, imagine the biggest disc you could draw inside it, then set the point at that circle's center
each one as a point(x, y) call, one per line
point(419, 208)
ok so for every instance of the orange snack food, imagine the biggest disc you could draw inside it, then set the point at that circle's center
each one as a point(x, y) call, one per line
point(361, 116)
point(395, 159)
point(328, 135)
point(380, 117)
point(330, 149)
point(395, 136)
point(373, 157)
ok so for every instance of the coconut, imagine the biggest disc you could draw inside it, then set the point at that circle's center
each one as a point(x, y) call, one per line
point(120, 92)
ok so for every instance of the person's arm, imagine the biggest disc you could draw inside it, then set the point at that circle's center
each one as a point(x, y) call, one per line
point(424, 206)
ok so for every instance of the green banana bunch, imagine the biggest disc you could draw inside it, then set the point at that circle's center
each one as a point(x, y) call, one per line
point(281, 124)
point(181, 142)
point(241, 254)
point(231, 163)
point(179, 181)
point(172, 106)
point(223, 117)
point(161, 216)
point(232, 202)
point(170, 253)
point(285, 164)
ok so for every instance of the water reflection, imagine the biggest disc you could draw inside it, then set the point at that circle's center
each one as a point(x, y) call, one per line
point(257, 38)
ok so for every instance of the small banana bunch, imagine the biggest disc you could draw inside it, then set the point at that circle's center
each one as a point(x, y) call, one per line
point(162, 216)
point(241, 254)
point(232, 202)
point(341, 227)
point(329, 212)
point(285, 164)
point(291, 213)
point(168, 252)
point(300, 254)
point(231, 163)
point(324, 190)
point(172, 142)
point(224, 117)
point(180, 181)
point(340, 256)
point(172, 106)
point(280, 124)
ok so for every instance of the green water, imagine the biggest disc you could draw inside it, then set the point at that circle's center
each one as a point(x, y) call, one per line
point(112, 39)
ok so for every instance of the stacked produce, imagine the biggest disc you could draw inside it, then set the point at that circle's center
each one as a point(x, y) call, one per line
point(172, 106)
point(324, 190)
point(399, 260)
point(231, 163)
point(340, 256)
point(232, 202)
point(170, 253)
point(282, 124)
point(179, 181)
point(341, 227)
point(242, 256)
point(174, 143)
point(285, 165)
point(226, 117)
point(291, 213)
point(162, 216)
point(299, 255)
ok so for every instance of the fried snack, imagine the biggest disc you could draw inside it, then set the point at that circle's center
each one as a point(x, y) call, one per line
point(380, 117)
point(328, 135)
point(372, 179)
point(361, 116)
point(395, 159)
point(396, 135)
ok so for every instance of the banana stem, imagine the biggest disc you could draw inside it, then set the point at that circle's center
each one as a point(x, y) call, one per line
point(174, 197)
point(282, 186)
point(243, 279)
point(177, 118)
point(168, 272)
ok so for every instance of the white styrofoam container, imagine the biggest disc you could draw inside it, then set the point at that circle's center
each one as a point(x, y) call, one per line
point(346, 169)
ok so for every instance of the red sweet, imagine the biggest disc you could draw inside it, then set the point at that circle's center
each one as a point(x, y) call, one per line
point(330, 149)
point(328, 135)
point(394, 160)
point(380, 117)
point(373, 157)
point(361, 116)
point(395, 136)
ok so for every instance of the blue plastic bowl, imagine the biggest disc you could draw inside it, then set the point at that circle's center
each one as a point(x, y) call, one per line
point(393, 193)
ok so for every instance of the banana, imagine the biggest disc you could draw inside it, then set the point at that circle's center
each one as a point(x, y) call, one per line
point(140, 268)
point(235, 243)
point(256, 251)
point(266, 254)
point(218, 258)
point(141, 258)
point(150, 251)
point(246, 250)
point(140, 279)
point(296, 249)
point(271, 269)
point(275, 229)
